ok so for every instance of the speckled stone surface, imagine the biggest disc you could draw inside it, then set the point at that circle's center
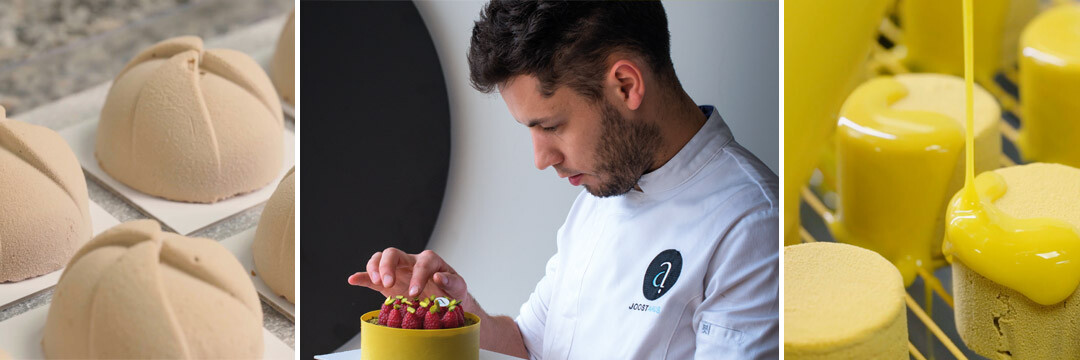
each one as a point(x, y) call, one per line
point(64, 83)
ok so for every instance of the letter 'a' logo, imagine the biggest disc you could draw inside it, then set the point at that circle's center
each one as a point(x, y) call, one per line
point(662, 274)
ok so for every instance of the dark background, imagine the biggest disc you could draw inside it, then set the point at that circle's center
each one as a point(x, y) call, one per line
point(376, 135)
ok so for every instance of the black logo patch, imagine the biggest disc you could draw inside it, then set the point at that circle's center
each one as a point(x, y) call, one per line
point(662, 274)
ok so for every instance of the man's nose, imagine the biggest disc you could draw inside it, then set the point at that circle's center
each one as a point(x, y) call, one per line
point(544, 154)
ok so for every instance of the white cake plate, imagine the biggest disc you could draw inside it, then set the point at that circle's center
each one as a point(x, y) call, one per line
point(23, 333)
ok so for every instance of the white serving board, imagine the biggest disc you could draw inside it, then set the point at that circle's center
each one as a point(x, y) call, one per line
point(240, 246)
point(184, 218)
point(100, 220)
point(23, 333)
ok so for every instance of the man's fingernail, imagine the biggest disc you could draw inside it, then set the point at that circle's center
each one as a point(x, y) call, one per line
point(386, 279)
point(374, 277)
point(445, 280)
point(415, 290)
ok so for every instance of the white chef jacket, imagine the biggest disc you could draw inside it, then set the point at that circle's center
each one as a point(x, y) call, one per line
point(701, 239)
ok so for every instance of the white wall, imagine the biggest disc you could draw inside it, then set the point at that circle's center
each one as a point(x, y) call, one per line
point(500, 215)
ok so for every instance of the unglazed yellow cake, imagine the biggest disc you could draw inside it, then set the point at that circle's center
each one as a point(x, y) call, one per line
point(282, 69)
point(138, 292)
point(189, 124)
point(274, 247)
point(44, 207)
point(999, 322)
point(842, 302)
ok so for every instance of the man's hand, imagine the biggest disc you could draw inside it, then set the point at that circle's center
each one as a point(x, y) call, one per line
point(393, 272)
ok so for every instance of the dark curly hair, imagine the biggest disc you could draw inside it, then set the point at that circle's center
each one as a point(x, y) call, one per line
point(566, 42)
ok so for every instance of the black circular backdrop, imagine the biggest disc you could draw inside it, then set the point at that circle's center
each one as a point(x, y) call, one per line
point(376, 151)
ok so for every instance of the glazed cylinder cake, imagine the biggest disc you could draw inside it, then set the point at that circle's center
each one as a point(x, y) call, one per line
point(890, 127)
point(274, 248)
point(188, 124)
point(44, 207)
point(282, 69)
point(842, 302)
point(1000, 322)
point(136, 292)
point(1050, 84)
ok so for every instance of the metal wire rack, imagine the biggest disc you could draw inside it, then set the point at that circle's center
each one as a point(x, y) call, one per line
point(931, 334)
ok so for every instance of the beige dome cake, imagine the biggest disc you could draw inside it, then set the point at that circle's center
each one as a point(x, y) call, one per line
point(188, 124)
point(44, 207)
point(274, 248)
point(138, 292)
point(282, 68)
point(999, 322)
point(842, 302)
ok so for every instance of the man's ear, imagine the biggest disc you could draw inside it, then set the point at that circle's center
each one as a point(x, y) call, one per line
point(626, 79)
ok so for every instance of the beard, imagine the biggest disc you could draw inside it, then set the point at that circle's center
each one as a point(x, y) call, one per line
point(625, 152)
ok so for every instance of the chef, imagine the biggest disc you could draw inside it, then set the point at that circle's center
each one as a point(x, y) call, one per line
point(671, 250)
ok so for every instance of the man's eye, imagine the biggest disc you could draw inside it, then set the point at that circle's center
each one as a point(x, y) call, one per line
point(550, 129)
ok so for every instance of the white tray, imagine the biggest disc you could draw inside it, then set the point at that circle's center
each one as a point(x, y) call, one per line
point(184, 218)
point(22, 337)
point(10, 293)
point(240, 245)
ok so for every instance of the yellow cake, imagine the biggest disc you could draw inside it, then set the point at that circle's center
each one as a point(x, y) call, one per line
point(842, 302)
point(379, 342)
point(282, 69)
point(136, 292)
point(999, 322)
point(1050, 86)
point(933, 36)
point(44, 207)
point(899, 157)
point(190, 124)
point(274, 247)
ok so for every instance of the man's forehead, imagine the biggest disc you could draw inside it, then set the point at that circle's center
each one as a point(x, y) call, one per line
point(525, 101)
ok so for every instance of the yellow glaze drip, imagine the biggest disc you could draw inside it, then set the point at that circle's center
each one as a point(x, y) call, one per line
point(1035, 256)
point(918, 148)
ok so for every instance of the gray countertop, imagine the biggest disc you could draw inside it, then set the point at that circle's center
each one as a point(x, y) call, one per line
point(54, 74)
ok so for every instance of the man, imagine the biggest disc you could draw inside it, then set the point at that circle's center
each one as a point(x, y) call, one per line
point(671, 250)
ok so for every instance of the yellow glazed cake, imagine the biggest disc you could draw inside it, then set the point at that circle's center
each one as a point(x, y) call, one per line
point(282, 67)
point(44, 207)
point(999, 322)
point(842, 302)
point(379, 342)
point(933, 36)
point(274, 247)
point(899, 157)
point(189, 124)
point(1050, 86)
point(138, 292)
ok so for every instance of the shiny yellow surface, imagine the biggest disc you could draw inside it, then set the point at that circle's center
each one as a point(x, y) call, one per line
point(1050, 87)
point(825, 41)
point(898, 146)
point(379, 342)
point(934, 38)
point(1034, 256)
